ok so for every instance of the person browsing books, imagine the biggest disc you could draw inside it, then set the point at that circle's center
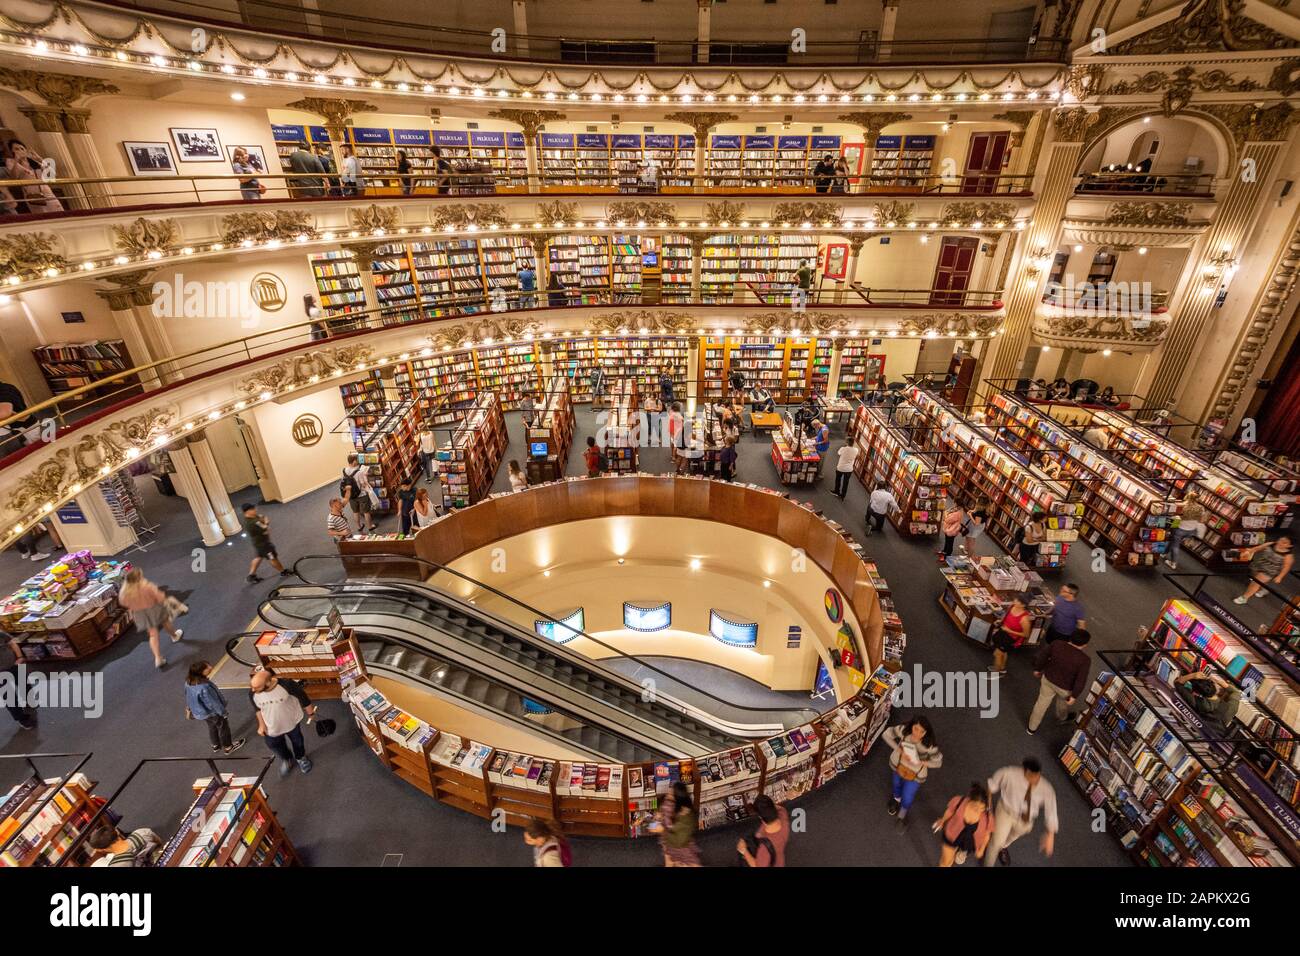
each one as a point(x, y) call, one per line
point(676, 826)
point(767, 846)
point(423, 512)
point(1012, 632)
point(518, 480)
point(405, 504)
point(954, 519)
point(336, 524)
point(1068, 614)
point(976, 525)
point(594, 458)
point(965, 827)
point(879, 506)
point(845, 459)
point(550, 848)
point(355, 489)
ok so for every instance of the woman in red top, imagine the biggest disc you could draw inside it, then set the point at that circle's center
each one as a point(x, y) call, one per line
point(592, 458)
point(1011, 633)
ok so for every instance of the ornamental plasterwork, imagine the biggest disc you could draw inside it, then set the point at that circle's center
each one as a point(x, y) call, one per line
point(1264, 318)
point(641, 211)
point(282, 224)
point(557, 211)
point(29, 252)
point(1070, 328)
point(460, 215)
point(530, 121)
point(1122, 238)
point(298, 371)
point(634, 320)
point(80, 463)
point(799, 322)
point(1251, 123)
point(1205, 26)
point(871, 123)
point(1285, 78)
point(985, 212)
point(894, 211)
point(335, 112)
point(1148, 214)
point(1072, 123)
point(59, 90)
point(701, 122)
point(959, 323)
point(793, 213)
point(499, 328)
point(372, 217)
point(143, 236)
point(1180, 85)
point(725, 211)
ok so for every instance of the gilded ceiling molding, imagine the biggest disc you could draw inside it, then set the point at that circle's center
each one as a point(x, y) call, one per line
point(641, 210)
point(337, 113)
point(1286, 77)
point(1096, 330)
point(872, 123)
point(1109, 117)
point(1205, 26)
point(1085, 80)
point(1072, 123)
point(557, 211)
point(1150, 213)
point(301, 370)
point(130, 289)
point(725, 211)
point(282, 224)
point(644, 321)
point(144, 236)
point(894, 211)
point(701, 122)
point(1249, 123)
point(375, 217)
point(460, 215)
point(80, 464)
point(59, 90)
point(498, 328)
point(978, 211)
point(767, 323)
point(1180, 85)
point(539, 240)
point(530, 121)
point(797, 213)
point(26, 252)
point(1259, 330)
point(1020, 119)
point(959, 323)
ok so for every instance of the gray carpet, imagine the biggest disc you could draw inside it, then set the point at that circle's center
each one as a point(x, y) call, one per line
point(350, 811)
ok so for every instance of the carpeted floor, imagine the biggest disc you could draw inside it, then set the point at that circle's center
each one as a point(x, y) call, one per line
point(350, 811)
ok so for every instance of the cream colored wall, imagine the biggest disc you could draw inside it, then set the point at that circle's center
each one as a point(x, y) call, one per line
point(1159, 266)
point(582, 558)
point(1120, 370)
point(1179, 139)
point(291, 470)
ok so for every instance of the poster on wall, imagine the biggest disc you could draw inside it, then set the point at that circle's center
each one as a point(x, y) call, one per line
point(837, 261)
point(822, 683)
point(150, 159)
point(834, 603)
point(256, 158)
point(196, 145)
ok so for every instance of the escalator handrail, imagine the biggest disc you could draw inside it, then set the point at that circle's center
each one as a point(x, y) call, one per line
point(544, 616)
point(401, 593)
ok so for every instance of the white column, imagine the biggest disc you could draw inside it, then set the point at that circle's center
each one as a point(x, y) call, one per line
point(521, 28)
point(833, 373)
point(76, 125)
point(888, 21)
point(213, 484)
point(702, 30)
point(190, 485)
point(692, 373)
point(50, 142)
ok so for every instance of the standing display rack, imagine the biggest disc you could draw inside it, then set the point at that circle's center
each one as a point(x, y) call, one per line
point(1014, 489)
point(41, 817)
point(623, 427)
point(550, 436)
point(469, 461)
point(917, 480)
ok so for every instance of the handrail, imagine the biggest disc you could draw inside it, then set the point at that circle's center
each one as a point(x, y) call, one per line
point(288, 21)
point(114, 193)
point(1108, 181)
point(540, 615)
point(346, 325)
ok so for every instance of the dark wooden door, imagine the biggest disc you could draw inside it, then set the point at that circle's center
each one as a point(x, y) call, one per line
point(952, 274)
point(984, 160)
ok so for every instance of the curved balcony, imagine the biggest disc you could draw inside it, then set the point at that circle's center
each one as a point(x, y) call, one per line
point(1135, 218)
point(1103, 322)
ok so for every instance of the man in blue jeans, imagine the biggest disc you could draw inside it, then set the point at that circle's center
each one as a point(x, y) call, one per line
point(280, 706)
point(527, 285)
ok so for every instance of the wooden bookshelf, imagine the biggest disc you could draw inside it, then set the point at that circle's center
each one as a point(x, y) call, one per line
point(45, 834)
point(552, 428)
point(469, 461)
point(901, 162)
point(230, 823)
point(917, 481)
point(71, 365)
point(384, 434)
point(322, 659)
point(338, 282)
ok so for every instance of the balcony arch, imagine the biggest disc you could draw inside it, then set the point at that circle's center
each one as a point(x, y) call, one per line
point(1178, 136)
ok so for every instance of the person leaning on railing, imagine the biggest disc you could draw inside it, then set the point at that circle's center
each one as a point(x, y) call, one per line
point(22, 163)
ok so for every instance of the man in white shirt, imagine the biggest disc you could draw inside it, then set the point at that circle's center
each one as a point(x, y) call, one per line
point(1096, 436)
point(847, 457)
point(1021, 795)
point(881, 503)
point(355, 488)
point(428, 449)
point(351, 173)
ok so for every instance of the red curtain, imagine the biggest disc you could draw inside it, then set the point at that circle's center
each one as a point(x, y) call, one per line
point(1279, 416)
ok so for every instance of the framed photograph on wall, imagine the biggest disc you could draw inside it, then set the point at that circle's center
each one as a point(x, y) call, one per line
point(837, 261)
point(150, 159)
point(256, 158)
point(197, 145)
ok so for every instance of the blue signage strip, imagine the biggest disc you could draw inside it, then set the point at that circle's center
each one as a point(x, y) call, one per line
point(625, 141)
point(724, 142)
point(888, 142)
point(481, 138)
point(826, 142)
point(413, 137)
point(515, 140)
point(918, 142)
point(319, 134)
point(288, 134)
point(593, 141)
point(658, 141)
point(451, 137)
point(371, 134)
point(792, 142)
point(557, 140)
point(760, 142)
point(686, 141)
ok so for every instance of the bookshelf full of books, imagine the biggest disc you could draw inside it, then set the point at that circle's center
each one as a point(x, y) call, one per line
point(643, 358)
point(901, 162)
point(364, 400)
point(724, 165)
point(719, 269)
point(676, 266)
point(582, 264)
point(917, 481)
point(41, 819)
point(758, 165)
point(322, 659)
point(860, 370)
point(385, 436)
point(510, 371)
point(767, 264)
point(287, 136)
point(501, 256)
point(338, 281)
point(375, 151)
point(395, 287)
point(592, 161)
point(69, 365)
point(675, 154)
point(230, 823)
point(1239, 514)
point(469, 461)
point(550, 436)
point(504, 154)
point(558, 161)
point(575, 359)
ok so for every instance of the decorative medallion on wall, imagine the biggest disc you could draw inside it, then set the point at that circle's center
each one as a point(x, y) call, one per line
point(307, 430)
point(269, 292)
point(834, 605)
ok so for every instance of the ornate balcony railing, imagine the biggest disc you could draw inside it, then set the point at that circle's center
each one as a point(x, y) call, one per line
point(1128, 183)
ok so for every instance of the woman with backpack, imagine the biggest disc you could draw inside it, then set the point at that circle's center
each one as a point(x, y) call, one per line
point(676, 827)
point(965, 827)
point(550, 848)
point(913, 753)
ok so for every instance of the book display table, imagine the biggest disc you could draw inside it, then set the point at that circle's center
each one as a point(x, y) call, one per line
point(67, 611)
point(976, 596)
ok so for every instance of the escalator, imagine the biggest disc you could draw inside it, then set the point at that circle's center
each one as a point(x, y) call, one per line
point(424, 636)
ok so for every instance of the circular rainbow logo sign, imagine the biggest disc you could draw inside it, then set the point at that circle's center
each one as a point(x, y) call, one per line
point(834, 605)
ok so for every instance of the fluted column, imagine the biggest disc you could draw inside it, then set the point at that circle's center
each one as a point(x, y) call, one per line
point(692, 373)
point(697, 263)
point(131, 302)
point(1053, 188)
point(531, 122)
point(850, 268)
point(833, 374)
point(872, 125)
point(213, 484)
point(1194, 306)
point(190, 485)
point(76, 126)
point(366, 253)
point(47, 121)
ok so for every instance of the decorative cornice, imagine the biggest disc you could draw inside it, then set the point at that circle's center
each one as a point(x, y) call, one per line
point(797, 322)
point(300, 371)
point(871, 123)
point(498, 328)
point(1020, 119)
point(894, 211)
point(530, 121)
point(641, 210)
point(460, 215)
point(725, 211)
point(557, 211)
point(818, 213)
point(1075, 328)
point(1072, 123)
point(59, 90)
point(144, 236)
point(28, 252)
point(282, 224)
point(1251, 123)
point(1205, 26)
point(701, 122)
point(1148, 213)
point(1285, 78)
point(374, 216)
point(1180, 85)
point(337, 113)
point(980, 211)
point(956, 323)
point(132, 289)
point(645, 321)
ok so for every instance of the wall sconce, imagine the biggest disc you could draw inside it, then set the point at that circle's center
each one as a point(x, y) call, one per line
point(1038, 262)
point(1220, 269)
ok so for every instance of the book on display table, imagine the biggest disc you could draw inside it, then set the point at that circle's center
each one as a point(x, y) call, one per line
point(231, 824)
point(793, 454)
point(68, 610)
point(978, 593)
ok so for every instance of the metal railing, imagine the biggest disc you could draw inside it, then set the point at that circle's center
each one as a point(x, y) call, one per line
point(56, 197)
point(291, 20)
point(1124, 183)
point(80, 404)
